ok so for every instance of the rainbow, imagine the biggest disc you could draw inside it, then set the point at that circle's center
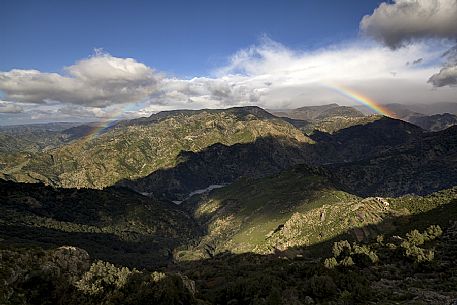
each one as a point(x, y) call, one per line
point(108, 121)
point(362, 99)
point(99, 127)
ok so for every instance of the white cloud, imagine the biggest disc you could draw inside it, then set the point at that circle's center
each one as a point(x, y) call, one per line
point(223, 91)
point(268, 74)
point(398, 23)
point(8, 107)
point(97, 81)
point(273, 76)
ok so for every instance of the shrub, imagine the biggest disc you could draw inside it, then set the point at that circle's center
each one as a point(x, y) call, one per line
point(330, 263)
point(415, 237)
point(347, 261)
point(341, 248)
point(275, 297)
point(416, 253)
point(380, 239)
point(102, 277)
point(364, 255)
point(433, 232)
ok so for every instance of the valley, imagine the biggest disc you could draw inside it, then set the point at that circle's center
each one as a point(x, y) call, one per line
point(193, 204)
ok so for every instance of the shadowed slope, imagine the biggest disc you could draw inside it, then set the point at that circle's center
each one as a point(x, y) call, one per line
point(427, 164)
point(134, 149)
point(114, 224)
point(220, 164)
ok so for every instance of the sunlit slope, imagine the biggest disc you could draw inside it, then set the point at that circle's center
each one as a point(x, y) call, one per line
point(136, 148)
point(296, 208)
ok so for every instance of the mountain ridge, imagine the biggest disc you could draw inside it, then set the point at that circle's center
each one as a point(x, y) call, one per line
point(133, 151)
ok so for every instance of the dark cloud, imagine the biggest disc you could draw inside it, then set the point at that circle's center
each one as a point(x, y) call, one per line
point(446, 77)
point(448, 74)
point(403, 21)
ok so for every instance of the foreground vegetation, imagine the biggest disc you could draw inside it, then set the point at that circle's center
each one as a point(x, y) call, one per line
point(414, 269)
point(408, 257)
point(115, 224)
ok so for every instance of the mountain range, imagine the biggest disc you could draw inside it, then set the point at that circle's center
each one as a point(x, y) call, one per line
point(314, 205)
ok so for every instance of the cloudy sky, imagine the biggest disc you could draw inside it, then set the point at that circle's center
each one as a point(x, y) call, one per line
point(97, 60)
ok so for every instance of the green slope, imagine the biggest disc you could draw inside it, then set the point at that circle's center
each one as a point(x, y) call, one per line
point(296, 208)
point(136, 148)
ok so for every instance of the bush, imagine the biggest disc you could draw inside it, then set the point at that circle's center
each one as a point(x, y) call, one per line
point(103, 277)
point(416, 253)
point(330, 263)
point(380, 239)
point(341, 248)
point(105, 283)
point(364, 255)
point(356, 284)
point(347, 261)
point(415, 238)
point(433, 232)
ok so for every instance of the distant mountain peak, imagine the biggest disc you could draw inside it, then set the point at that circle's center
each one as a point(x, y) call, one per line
point(320, 112)
point(325, 106)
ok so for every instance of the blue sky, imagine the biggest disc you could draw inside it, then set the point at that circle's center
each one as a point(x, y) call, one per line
point(81, 60)
point(186, 38)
